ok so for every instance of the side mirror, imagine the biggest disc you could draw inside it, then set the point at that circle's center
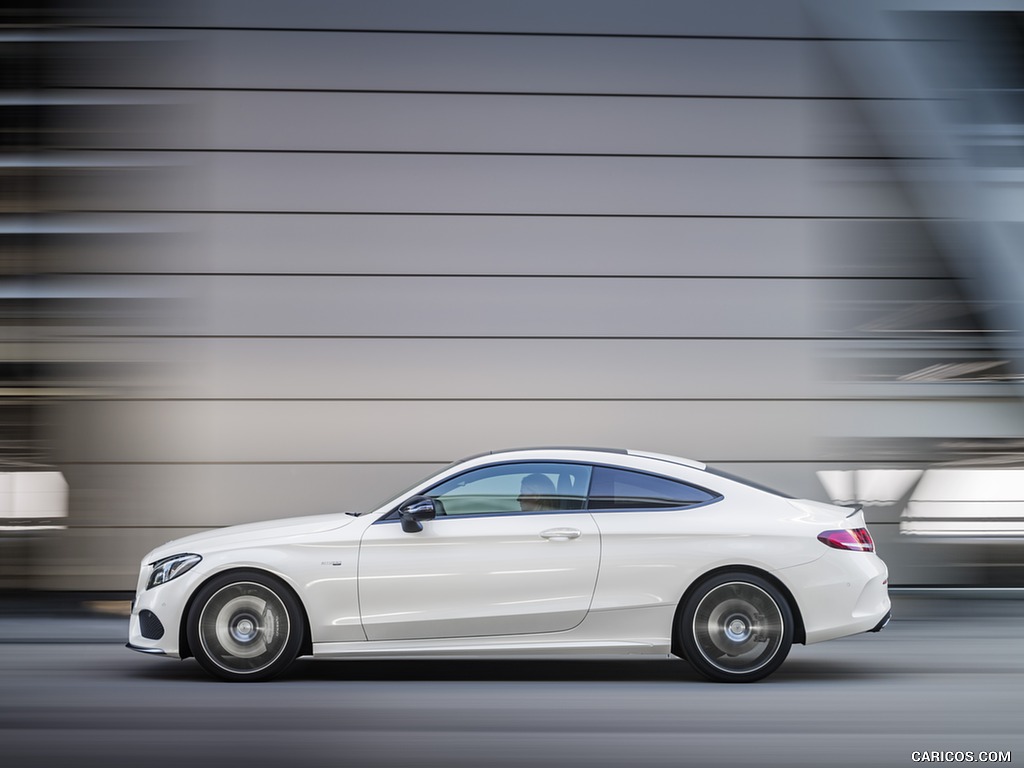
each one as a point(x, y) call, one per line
point(414, 511)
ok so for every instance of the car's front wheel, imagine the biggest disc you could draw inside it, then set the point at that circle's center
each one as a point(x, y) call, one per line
point(245, 626)
point(736, 628)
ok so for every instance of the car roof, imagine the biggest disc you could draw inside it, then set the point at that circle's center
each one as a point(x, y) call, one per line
point(589, 449)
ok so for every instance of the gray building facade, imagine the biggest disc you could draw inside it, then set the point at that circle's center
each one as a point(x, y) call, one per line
point(303, 254)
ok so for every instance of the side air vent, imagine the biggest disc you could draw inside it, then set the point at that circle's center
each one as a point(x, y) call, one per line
point(150, 625)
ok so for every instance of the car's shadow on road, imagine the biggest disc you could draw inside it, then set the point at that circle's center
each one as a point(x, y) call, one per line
point(493, 670)
point(518, 671)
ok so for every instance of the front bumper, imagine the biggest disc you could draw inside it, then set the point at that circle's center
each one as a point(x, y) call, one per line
point(150, 651)
point(156, 618)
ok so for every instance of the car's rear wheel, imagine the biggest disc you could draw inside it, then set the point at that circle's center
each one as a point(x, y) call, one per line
point(245, 626)
point(736, 628)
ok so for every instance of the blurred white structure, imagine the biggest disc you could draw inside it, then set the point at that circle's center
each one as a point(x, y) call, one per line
point(32, 501)
point(967, 503)
point(875, 487)
point(951, 502)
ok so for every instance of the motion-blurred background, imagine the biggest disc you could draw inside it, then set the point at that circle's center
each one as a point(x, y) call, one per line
point(264, 259)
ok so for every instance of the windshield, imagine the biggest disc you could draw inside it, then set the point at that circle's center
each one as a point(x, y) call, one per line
point(392, 499)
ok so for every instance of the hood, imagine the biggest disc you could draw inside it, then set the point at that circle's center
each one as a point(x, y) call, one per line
point(238, 535)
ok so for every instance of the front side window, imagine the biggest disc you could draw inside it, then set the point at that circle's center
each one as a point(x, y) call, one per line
point(624, 489)
point(512, 488)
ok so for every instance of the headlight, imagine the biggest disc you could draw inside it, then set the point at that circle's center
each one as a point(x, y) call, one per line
point(170, 568)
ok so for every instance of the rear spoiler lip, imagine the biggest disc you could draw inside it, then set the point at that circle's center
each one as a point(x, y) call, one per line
point(857, 508)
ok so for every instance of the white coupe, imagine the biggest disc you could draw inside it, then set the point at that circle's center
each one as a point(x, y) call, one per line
point(524, 552)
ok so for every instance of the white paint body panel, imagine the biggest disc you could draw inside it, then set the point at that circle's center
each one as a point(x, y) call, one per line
point(502, 584)
point(465, 577)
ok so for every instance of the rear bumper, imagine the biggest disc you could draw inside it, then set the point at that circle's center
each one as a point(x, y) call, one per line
point(883, 623)
point(840, 594)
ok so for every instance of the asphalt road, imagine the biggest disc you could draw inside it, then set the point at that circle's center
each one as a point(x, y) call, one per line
point(72, 695)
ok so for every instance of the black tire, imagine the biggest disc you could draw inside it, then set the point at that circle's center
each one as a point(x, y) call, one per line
point(245, 626)
point(736, 628)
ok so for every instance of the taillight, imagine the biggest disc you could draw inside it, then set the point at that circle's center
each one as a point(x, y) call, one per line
point(855, 540)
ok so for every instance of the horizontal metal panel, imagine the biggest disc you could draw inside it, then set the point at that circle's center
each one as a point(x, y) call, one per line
point(716, 431)
point(473, 368)
point(232, 59)
point(654, 17)
point(212, 495)
point(697, 186)
point(447, 306)
point(252, 243)
point(423, 306)
point(305, 121)
point(476, 368)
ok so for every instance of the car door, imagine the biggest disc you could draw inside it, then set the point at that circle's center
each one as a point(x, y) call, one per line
point(655, 536)
point(512, 551)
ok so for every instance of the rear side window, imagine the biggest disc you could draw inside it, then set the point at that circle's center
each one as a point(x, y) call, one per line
point(623, 489)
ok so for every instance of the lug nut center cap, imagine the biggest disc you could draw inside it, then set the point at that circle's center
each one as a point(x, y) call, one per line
point(244, 629)
point(737, 629)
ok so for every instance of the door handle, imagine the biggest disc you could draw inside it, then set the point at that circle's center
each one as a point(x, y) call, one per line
point(560, 534)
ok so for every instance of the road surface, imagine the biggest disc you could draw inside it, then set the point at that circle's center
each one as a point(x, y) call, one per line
point(72, 695)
